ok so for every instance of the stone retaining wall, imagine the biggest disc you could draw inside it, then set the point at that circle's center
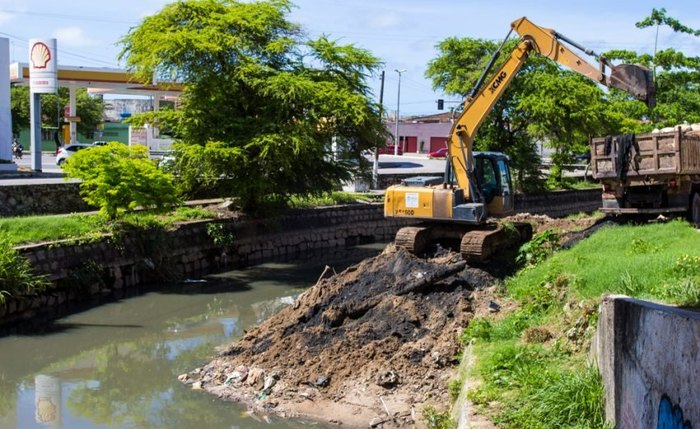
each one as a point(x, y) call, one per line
point(59, 198)
point(559, 203)
point(77, 270)
point(649, 359)
point(56, 198)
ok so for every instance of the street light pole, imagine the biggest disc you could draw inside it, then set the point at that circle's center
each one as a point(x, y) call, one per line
point(398, 105)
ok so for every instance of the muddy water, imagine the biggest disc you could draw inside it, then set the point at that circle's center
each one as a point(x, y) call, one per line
point(116, 365)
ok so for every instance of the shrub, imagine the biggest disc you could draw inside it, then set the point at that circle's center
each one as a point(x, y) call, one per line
point(118, 179)
point(16, 275)
point(539, 248)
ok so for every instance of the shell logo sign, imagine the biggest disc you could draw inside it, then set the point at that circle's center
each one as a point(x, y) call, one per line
point(40, 56)
point(42, 66)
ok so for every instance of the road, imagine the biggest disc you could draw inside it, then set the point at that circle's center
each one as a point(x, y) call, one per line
point(388, 164)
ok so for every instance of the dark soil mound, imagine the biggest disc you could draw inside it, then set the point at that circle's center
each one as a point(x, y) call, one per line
point(371, 343)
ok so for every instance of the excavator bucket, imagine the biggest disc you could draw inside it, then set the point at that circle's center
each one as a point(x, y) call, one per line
point(636, 80)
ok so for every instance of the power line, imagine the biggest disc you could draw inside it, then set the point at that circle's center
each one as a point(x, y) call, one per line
point(65, 16)
point(64, 52)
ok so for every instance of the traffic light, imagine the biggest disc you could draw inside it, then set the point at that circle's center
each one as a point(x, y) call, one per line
point(441, 104)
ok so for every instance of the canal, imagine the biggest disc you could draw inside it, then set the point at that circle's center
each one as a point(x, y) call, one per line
point(116, 365)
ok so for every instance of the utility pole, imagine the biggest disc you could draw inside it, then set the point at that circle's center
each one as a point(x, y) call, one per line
point(398, 105)
point(375, 165)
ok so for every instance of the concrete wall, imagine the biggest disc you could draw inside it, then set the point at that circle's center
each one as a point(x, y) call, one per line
point(649, 358)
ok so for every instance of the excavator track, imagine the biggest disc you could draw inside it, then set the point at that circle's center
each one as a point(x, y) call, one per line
point(413, 238)
point(477, 243)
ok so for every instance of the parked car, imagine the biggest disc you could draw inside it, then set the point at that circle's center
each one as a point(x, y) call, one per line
point(67, 151)
point(99, 143)
point(389, 150)
point(440, 153)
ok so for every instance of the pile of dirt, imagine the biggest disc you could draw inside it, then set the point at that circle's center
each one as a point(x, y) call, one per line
point(369, 345)
point(372, 345)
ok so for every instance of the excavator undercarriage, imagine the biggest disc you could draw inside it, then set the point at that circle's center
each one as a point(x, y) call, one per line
point(477, 243)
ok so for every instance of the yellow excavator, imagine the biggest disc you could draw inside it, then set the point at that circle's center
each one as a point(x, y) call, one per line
point(477, 186)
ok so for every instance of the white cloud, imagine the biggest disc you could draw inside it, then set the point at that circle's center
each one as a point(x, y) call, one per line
point(74, 37)
point(6, 17)
point(384, 21)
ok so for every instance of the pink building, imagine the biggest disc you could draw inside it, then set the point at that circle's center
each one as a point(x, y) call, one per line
point(422, 134)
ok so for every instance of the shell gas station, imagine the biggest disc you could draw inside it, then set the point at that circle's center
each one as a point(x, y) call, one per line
point(96, 80)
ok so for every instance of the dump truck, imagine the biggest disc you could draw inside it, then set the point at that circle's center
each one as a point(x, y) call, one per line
point(649, 174)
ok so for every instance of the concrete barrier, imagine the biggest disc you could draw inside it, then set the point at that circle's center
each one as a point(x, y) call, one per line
point(648, 355)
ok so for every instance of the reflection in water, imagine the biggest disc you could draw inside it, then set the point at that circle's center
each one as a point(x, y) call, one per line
point(116, 366)
point(47, 392)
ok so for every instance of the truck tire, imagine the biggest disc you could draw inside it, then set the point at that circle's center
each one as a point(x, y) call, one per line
point(695, 210)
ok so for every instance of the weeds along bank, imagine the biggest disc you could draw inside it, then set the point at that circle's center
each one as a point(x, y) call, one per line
point(532, 361)
point(73, 269)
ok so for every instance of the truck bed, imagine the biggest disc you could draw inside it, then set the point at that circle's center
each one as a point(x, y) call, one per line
point(658, 154)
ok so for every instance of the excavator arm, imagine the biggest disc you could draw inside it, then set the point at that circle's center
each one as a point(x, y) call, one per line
point(633, 79)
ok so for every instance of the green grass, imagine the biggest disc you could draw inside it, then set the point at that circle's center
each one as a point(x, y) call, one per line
point(16, 276)
point(37, 229)
point(642, 261)
point(326, 199)
point(532, 361)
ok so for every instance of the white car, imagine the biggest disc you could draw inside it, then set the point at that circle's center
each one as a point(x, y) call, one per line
point(67, 151)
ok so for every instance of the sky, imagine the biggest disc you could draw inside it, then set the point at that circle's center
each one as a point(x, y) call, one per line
point(402, 34)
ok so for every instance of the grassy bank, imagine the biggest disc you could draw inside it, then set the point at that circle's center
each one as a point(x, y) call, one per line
point(16, 276)
point(37, 229)
point(532, 361)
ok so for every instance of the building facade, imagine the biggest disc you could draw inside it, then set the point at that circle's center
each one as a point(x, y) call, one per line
point(422, 134)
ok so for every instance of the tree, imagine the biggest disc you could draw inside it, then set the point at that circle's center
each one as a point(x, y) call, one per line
point(543, 103)
point(19, 108)
point(119, 178)
point(261, 104)
point(563, 108)
point(88, 108)
point(677, 76)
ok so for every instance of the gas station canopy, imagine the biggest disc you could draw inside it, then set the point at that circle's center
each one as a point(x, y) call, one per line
point(99, 81)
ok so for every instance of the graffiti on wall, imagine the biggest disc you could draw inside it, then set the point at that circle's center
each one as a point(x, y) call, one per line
point(671, 416)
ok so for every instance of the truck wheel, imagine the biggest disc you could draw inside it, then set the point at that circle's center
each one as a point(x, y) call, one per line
point(695, 210)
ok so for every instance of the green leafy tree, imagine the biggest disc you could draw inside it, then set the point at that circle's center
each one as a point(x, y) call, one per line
point(19, 108)
point(564, 109)
point(677, 76)
point(119, 178)
point(261, 103)
point(89, 109)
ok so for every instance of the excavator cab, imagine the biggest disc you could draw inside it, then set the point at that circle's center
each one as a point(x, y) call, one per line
point(494, 182)
point(494, 185)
